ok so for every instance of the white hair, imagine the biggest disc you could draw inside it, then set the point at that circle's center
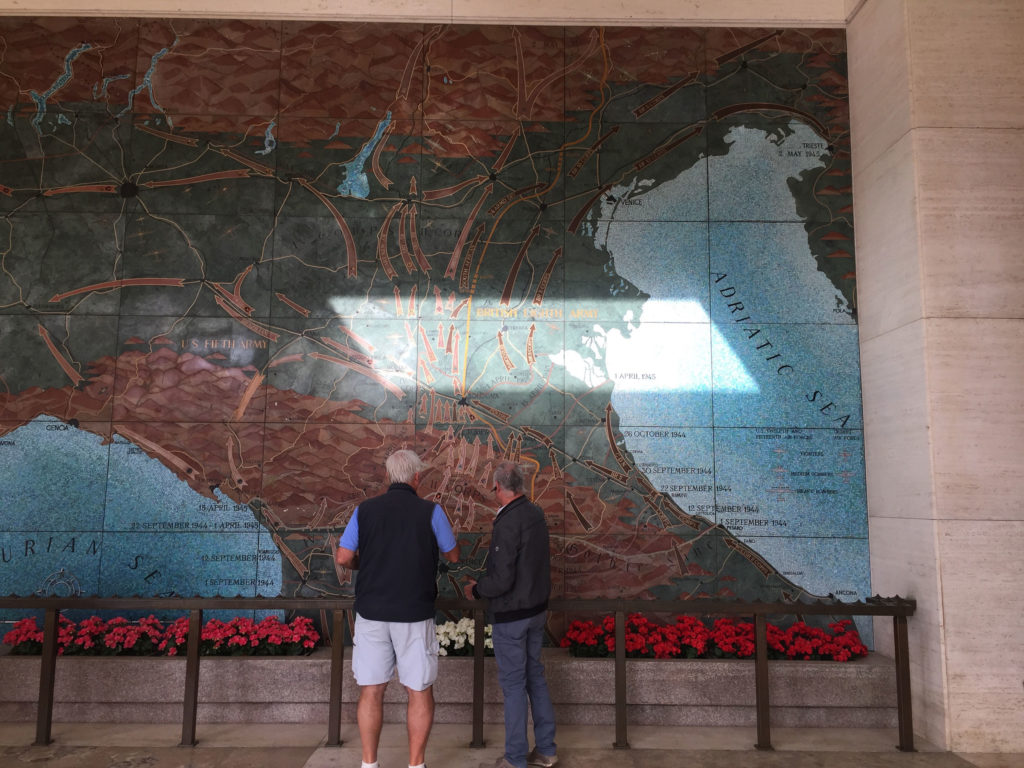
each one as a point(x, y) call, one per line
point(403, 465)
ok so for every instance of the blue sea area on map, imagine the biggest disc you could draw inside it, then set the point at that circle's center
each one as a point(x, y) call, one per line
point(823, 566)
point(678, 461)
point(684, 198)
point(43, 465)
point(820, 389)
point(662, 367)
point(801, 482)
point(648, 252)
point(110, 520)
point(762, 364)
point(749, 182)
point(662, 374)
point(765, 272)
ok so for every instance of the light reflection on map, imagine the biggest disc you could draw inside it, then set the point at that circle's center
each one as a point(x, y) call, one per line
point(243, 265)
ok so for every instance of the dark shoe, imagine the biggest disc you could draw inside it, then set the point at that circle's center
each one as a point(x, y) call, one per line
point(501, 762)
point(536, 758)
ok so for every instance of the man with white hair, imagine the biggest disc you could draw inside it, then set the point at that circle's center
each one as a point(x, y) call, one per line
point(394, 540)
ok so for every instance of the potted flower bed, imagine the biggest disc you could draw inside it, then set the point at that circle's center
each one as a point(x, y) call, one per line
point(95, 636)
point(691, 638)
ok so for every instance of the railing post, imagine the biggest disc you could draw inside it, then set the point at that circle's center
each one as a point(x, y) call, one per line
point(478, 679)
point(191, 702)
point(47, 677)
point(337, 674)
point(621, 740)
point(764, 734)
point(904, 713)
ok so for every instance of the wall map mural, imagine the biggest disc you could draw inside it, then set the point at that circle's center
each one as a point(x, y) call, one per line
point(242, 261)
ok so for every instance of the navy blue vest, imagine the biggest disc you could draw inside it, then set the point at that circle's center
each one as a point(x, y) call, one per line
point(398, 556)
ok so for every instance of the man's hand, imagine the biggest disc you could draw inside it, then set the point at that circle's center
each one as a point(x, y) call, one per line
point(346, 558)
point(467, 590)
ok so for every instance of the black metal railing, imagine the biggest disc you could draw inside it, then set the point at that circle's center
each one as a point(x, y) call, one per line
point(897, 607)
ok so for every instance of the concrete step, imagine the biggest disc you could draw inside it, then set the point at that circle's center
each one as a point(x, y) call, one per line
point(94, 745)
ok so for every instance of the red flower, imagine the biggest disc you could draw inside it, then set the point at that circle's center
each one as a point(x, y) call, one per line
point(690, 637)
point(149, 637)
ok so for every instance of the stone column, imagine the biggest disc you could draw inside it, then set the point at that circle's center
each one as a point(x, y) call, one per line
point(937, 107)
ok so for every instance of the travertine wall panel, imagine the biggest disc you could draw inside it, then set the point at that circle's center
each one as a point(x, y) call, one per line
point(898, 458)
point(970, 201)
point(903, 562)
point(394, 10)
point(965, 63)
point(728, 12)
point(935, 94)
point(976, 389)
point(889, 290)
point(900, 507)
point(786, 13)
point(879, 70)
point(983, 627)
point(969, 187)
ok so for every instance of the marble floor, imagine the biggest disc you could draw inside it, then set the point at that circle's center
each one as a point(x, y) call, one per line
point(88, 745)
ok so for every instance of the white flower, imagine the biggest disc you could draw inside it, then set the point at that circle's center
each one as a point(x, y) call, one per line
point(456, 635)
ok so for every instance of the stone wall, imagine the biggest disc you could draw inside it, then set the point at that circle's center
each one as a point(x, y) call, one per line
point(860, 694)
point(937, 107)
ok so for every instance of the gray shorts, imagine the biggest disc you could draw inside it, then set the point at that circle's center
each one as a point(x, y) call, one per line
point(381, 646)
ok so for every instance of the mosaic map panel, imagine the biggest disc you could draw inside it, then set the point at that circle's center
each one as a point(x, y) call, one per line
point(242, 261)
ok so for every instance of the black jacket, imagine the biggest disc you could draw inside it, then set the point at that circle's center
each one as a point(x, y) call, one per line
point(518, 578)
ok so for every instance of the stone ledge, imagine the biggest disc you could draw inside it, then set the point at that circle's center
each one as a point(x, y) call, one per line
point(858, 694)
